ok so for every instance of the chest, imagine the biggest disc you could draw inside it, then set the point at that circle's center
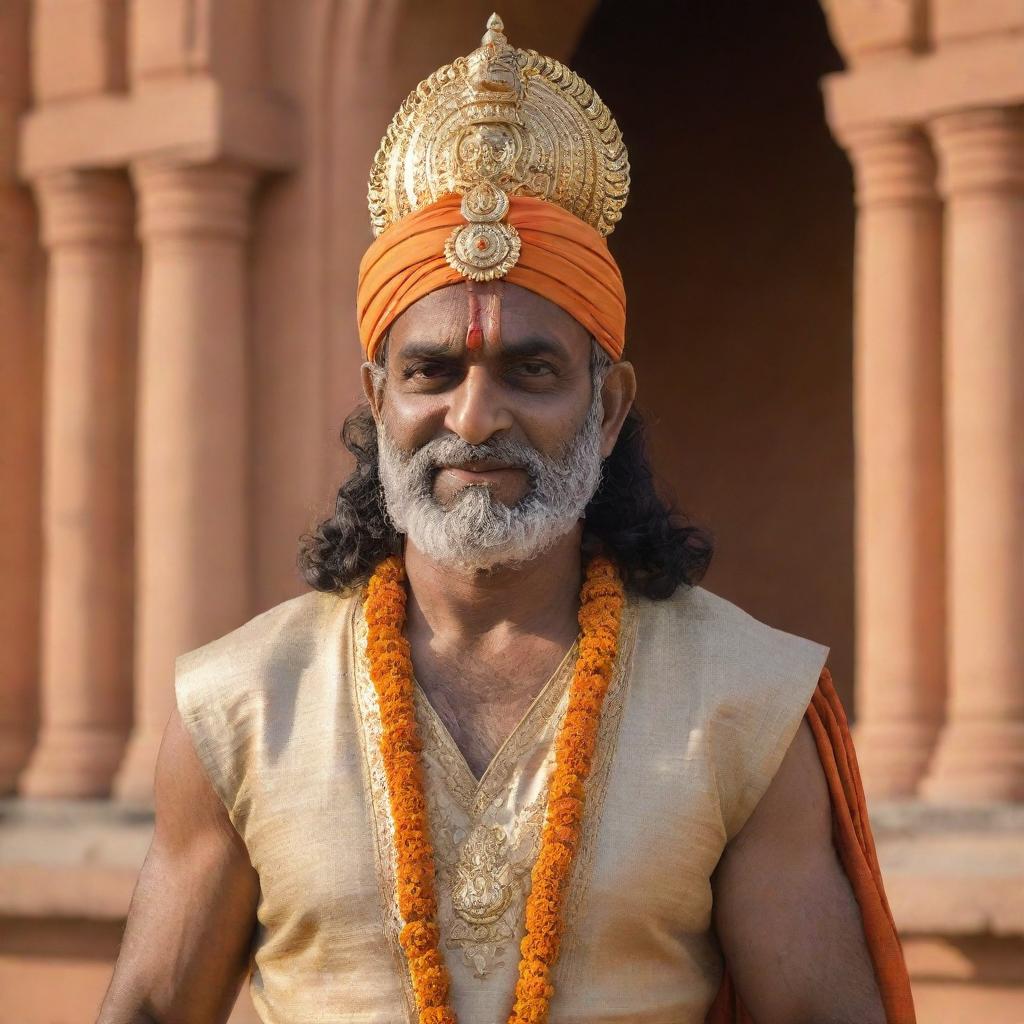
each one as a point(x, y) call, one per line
point(638, 905)
point(482, 699)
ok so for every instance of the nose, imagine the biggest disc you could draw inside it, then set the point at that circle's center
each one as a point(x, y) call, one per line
point(477, 409)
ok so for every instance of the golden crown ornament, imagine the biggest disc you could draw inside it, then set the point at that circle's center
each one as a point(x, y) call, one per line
point(498, 123)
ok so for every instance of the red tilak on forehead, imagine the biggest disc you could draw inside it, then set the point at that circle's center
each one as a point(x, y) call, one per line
point(475, 333)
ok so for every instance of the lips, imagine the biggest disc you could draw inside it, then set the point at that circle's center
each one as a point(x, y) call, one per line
point(481, 466)
point(490, 473)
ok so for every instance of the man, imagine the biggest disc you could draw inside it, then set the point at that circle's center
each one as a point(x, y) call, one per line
point(588, 800)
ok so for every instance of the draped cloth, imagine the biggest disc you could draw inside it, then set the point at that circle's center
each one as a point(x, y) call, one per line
point(677, 772)
point(562, 258)
point(855, 845)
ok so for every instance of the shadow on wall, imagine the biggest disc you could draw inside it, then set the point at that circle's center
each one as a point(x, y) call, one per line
point(737, 250)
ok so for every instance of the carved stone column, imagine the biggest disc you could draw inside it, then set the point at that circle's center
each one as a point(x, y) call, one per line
point(981, 753)
point(20, 456)
point(194, 556)
point(87, 483)
point(900, 683)
point(21, 400)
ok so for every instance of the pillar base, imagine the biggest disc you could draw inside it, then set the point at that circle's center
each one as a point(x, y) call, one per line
point(15, 749)
point(134, 782)
point(74, 763)
point(893, 756)
point(978, 762)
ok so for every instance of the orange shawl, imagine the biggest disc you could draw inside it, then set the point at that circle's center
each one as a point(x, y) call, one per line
point(856, 847)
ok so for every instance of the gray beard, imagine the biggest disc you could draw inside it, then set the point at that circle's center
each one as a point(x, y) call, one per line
point(476, 531)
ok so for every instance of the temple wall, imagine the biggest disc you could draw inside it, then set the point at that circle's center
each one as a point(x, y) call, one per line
point(823, 254)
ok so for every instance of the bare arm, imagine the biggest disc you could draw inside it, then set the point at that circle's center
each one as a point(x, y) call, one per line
point(186, 943)
point(786, 916)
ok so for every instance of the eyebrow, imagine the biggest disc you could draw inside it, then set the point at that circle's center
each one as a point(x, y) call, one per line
point(535, 345)
point(520, 348)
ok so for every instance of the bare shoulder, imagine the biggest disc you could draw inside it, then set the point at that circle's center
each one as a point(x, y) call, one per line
point(197, 882)
point(187, 808)
point(784, 910)
point(795, 808)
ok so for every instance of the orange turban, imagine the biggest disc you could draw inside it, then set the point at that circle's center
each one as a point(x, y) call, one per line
point(563, 259)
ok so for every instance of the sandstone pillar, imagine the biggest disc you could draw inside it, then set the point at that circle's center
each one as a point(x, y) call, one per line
point(21, 403)
point(194, 556)
point(900, 682)
point(981, 752)
point(20, 457)
point(87, 483)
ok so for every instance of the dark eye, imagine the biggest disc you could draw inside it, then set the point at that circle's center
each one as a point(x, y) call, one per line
point(534, 368)
point(427, 371)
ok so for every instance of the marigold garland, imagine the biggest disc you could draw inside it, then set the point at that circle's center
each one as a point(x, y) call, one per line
point(390, 663)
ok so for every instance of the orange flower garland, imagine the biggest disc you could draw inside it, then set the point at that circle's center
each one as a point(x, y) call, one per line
point(388, 653)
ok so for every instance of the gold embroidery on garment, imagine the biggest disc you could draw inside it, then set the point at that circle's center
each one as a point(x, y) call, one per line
point(470, 848)
point(436, 738)
point(484, 867)
point(485, 878)
point(482, 886)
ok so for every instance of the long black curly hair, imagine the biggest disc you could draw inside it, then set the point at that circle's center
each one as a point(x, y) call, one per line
point(656, 548)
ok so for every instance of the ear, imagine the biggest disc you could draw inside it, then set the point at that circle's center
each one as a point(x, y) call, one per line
point(374, 395)
point(617, 395)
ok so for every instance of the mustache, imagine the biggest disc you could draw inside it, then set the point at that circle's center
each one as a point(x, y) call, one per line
point(452, 450)
point(474, 529)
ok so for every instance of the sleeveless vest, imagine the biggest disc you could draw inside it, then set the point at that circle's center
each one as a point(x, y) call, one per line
point(704, 703)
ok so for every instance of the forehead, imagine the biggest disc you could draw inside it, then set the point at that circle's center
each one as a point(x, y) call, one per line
point(444, 315)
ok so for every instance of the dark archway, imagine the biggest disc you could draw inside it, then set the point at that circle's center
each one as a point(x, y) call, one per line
point(737, 248)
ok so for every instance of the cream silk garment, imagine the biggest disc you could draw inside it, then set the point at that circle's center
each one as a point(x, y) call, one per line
point(702, 707)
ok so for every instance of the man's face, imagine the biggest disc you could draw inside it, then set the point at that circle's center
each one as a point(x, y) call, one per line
point(491, 432)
